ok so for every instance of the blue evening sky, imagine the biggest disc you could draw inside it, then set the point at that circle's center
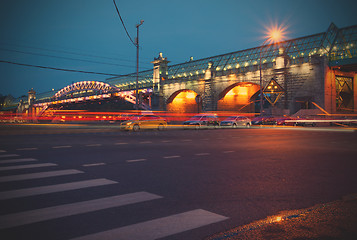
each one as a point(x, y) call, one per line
point(87, 35)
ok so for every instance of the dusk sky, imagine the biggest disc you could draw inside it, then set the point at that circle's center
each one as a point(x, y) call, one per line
point(87, 35)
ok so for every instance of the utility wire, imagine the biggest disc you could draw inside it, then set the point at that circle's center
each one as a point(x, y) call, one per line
point(116, 7)
point(76, 53)
point(60, 69)
point(68, 58)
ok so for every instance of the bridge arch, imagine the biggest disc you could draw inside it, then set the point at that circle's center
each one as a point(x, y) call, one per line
point(183, 101)
point(86, 85)
point(239, 97)
point(77, 95)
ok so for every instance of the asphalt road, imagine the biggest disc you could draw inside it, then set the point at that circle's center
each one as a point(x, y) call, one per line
point(98, 182)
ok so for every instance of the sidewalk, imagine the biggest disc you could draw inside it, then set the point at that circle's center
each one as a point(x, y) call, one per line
point(335, 220)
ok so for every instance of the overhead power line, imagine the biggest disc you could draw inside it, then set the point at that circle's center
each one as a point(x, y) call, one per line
point(74, 53)
point(67, 58)
point(116, 7)
point(60, 69)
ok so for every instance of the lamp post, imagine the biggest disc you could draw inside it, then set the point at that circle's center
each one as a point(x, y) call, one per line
point(274, 36)
point(260, 75)
point(137, 65)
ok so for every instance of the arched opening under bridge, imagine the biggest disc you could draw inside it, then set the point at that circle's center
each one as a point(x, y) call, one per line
point(183, 101)
point(239, 97)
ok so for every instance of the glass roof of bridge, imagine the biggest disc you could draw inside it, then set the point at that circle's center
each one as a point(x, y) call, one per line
point(339, 42)
point(294, 48)
point(345, 44)
point(46, 95)
point(39, 96)
point(122, 81)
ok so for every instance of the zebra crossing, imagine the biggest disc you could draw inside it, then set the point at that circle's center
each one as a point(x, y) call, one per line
point(163, 226)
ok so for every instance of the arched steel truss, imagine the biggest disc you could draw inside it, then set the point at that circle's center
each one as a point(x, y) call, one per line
point(106, 91)
point(86, 85)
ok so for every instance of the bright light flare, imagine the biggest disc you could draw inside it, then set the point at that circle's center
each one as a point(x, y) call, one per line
point(275, 33)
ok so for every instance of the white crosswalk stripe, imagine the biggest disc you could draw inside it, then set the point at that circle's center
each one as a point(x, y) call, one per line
point(159, 228)
point(26, 149)
point(136, 160)
point(18, 160)
point(66, 146)
point(38, 215)
point(93, 164)
point(9, 155)
point(27, 166)
point(94, 145)
point(37, 175)
point(54, 188)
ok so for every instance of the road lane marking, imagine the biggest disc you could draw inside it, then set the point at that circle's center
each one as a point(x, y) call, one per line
point(94, 145)
point(175, 156)
point(18, 160)
point(166, 141)
point(160, 227)
point(28, 166)
point(93, 164)
point(43, 214)
point(144, 142)
point(228, 151)
point(28, 176)
point(67, 146)
point(26, 149)
point(136, 160)
point(204, 139)
point(2, 151)
point(186, 140)
point(25, 192)
point(121, 143)
point(202, 154)
point(9, 155)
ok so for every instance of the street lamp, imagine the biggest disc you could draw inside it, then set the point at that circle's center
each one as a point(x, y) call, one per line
point(274, 36)
point(137, 65)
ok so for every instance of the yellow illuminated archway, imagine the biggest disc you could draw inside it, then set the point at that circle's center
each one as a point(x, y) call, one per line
point(238, 97)
point(183, 101)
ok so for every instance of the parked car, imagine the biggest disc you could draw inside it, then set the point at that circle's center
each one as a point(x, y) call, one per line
point(285, 121)
point(202, 120)
point(289, 121)
point(304, 122)
point(144, 122)
point(264, 120)
point(235, 121)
